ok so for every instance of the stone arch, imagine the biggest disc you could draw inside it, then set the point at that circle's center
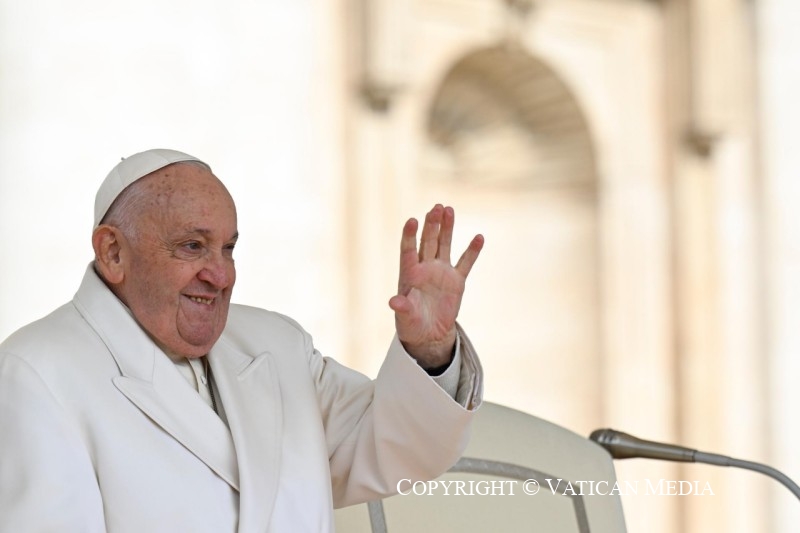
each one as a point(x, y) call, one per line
point(503, 116)
point(507, 142)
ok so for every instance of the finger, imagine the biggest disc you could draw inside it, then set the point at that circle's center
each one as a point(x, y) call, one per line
point(446, 234)
point(408, 253)
point(470, 255)
point(408, 242)
point(429, 241)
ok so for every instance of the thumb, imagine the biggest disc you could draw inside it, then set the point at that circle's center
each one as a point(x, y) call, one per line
point(400, 304)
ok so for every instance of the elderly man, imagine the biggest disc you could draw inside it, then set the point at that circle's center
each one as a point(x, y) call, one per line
point(150, 403)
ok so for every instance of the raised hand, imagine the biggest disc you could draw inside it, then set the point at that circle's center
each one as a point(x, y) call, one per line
point(430, 288)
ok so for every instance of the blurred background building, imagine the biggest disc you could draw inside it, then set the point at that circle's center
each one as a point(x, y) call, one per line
point(632, 163)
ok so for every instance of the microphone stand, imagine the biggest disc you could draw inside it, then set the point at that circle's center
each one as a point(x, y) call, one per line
point(721, 460)
point(623, 446)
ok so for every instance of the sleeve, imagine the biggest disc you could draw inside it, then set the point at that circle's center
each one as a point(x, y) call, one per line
point(464, 377)
point(448, 380)
point(47, 481)
point(401, 426)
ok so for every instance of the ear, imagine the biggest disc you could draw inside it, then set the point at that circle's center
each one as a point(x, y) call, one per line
point(109, 252)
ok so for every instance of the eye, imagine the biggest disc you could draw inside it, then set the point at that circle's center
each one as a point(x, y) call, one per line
point(193, 246)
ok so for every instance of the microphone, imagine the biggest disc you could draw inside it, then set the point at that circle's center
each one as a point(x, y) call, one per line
point(623, 446)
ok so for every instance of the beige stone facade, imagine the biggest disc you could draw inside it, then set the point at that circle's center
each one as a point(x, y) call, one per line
point(630, 162)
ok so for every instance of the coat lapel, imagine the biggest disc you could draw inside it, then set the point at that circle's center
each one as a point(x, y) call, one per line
point(251, 396)
point(151, 382)
point(248, 455)
point(172, 404)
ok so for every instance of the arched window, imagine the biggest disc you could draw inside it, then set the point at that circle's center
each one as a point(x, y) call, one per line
point(502, 116)
point(509, 146)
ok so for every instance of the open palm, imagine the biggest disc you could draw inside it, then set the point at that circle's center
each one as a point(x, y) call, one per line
point(430, 288)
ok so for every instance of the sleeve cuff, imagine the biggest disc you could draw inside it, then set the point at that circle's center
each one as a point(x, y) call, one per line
point(448, 380)
point(463, 379)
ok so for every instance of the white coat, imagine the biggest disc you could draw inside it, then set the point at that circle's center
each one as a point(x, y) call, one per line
point(100, 432)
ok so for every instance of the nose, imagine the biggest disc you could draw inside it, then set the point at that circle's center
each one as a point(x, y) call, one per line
point(219, 271)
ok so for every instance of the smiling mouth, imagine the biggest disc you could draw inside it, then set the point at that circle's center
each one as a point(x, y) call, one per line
point(197, 299)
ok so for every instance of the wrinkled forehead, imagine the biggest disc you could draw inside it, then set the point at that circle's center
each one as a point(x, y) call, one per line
point(183, 197)
point(131, 169)
point(182, 184)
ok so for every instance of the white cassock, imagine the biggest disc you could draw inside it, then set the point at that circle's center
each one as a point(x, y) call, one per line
point(100, 432)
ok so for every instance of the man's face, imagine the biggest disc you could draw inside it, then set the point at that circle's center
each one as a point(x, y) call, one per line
point(179, 270)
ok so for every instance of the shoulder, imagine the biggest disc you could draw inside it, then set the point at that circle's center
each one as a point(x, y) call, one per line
point(60, 329)
point(245, 316)
point(257, 327)
point(60, 348)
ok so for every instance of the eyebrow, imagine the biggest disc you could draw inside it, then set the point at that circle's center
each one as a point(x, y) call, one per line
point(206, 232)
